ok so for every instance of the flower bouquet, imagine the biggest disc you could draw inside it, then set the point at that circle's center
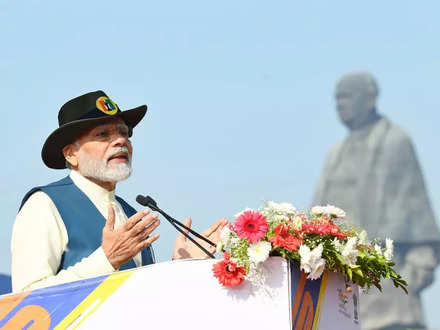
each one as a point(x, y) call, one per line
point(317, 241)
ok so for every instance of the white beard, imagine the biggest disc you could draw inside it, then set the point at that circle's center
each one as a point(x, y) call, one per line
point(99, 169)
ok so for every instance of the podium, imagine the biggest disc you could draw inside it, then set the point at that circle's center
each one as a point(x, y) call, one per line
point(185, 295)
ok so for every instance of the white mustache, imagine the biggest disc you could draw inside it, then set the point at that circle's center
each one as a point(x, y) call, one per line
point(118, 150)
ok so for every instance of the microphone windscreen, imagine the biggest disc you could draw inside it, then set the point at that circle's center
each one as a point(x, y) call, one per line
point(151, 200)
point(142, 200)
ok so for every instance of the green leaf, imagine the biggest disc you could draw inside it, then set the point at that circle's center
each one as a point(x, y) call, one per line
point(359, 272)
point(377, 285)
point(397, 284)
point(350, 274)
point(381, 260)
point(340, 259)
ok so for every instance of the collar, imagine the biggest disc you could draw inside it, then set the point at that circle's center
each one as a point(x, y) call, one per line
point(365, 130)
point(95, 192)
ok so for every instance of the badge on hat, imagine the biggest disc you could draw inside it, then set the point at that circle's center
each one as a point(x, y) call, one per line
point(106, 105)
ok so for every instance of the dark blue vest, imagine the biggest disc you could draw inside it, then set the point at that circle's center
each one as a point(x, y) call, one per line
point(83, 221)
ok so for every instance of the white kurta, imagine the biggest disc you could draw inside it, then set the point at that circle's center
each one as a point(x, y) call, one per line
point(39, 239)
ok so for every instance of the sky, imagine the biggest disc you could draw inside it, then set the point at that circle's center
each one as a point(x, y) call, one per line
point(240, 95)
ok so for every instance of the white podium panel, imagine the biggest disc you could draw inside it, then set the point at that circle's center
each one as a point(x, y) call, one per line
point(186, 295)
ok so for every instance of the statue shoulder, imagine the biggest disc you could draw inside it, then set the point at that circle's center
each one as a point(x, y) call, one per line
point(396, 137)
point(336, 147)
point(333, 153)
point(398, 148)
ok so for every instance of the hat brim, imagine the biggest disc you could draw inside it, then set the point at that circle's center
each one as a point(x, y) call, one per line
point(52, 152)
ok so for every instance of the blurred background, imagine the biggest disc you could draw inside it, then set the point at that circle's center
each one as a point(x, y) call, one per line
point(240, 95)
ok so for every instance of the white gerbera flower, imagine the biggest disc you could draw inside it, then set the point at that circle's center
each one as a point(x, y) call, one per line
point(317, 210)
point(281, 208)
point(350, 253)
point(259, 252)
point(311, 261)
point(389, 249)
point(277, 218)
point(334, 212)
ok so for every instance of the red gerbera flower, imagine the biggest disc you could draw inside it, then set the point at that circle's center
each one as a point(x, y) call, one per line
point(251, 225)
point(228, 273)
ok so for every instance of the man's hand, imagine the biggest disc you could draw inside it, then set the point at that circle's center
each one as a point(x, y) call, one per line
point(124, 243)
point(184, 248)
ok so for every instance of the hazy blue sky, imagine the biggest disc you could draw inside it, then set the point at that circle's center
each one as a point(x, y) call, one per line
point(240, 94)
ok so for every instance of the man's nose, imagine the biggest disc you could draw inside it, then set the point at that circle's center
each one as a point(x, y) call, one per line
point(119, 140)
point(341, 102)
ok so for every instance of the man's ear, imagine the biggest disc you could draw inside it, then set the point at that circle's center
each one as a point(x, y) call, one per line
point(70, 154)
point(371, 102)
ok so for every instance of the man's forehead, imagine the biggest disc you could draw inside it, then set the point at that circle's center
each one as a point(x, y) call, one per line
point(111, 122)
point(350, 87)
point(355, 83)
point(107, 123)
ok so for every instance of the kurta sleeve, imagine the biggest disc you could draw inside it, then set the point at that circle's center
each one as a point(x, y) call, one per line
point(38, 241)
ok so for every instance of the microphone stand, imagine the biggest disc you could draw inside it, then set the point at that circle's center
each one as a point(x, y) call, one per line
point(149, 202)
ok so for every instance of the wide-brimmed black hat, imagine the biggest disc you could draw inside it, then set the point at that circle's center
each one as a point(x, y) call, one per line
point(80, 114)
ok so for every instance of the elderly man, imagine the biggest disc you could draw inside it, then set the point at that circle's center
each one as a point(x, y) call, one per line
point(77, 227)
point(375, 177)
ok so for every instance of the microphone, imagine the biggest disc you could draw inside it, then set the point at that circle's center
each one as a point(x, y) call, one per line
point(151, 203)
point(146, 201)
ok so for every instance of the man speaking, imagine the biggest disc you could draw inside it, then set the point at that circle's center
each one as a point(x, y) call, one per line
point(77, 227)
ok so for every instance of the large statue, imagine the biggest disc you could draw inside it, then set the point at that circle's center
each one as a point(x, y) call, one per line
point(374, 175)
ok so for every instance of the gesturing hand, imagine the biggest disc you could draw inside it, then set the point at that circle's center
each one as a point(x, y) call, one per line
point(122, 244)
point(184, 248)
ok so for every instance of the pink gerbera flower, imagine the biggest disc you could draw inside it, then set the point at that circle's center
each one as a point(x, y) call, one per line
point(251, 225)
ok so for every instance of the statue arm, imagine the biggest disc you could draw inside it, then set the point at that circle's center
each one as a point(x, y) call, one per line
point(409, 211)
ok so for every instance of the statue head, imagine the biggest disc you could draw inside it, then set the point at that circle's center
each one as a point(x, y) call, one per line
point(356, 95)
